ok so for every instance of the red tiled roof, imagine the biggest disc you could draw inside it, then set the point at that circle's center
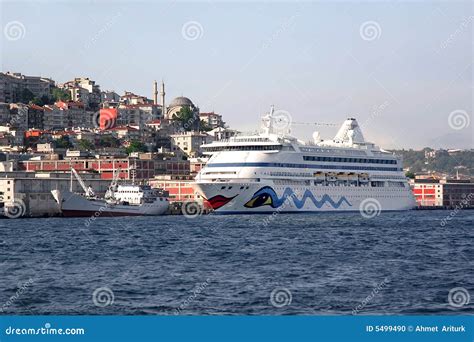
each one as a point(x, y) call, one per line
point(65, 133)
point(122, 128)
point(34, 106)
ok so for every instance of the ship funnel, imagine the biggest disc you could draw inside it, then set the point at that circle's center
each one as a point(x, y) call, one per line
point(316, 137)
point(350, 132)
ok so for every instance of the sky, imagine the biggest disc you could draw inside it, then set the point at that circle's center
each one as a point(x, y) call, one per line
point(403, 69)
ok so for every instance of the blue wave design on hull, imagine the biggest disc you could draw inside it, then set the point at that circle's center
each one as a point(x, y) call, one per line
point(268, 196)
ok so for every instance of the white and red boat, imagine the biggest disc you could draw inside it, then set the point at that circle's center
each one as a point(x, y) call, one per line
point(119, 200)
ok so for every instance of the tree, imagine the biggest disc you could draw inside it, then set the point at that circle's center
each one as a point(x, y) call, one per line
point(136, 146)
point(63, 142)
point(26, 95)
point(85, 145)
point(41, 101)
point(203, 126)
point(109, 141)
point(410, 174)
point(61, 94)
point(187, 118)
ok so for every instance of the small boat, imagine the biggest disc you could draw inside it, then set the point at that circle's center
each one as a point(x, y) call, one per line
point(119, 200)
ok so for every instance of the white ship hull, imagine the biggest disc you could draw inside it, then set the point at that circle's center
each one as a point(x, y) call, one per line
point(288, 199)
point(75, 205)
point(275, 172)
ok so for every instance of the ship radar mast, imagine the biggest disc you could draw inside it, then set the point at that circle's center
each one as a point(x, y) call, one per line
point(267, 122)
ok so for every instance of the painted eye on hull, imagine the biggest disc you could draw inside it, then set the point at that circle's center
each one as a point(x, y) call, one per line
point(259, 200)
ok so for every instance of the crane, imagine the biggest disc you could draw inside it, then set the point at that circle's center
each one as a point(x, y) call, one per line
point(87, 189)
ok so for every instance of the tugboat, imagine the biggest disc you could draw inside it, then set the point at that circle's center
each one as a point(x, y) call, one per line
point(119, 200)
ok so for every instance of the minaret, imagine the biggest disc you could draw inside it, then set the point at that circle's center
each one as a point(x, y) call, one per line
point(163, 105)
point(155, 92)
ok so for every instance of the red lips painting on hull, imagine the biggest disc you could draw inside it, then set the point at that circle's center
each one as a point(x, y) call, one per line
point(218, 201)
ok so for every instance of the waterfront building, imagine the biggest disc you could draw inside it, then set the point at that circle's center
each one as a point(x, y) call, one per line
point(443, 192)
point(31, 192)
point(178, 187)
point(171, 167)
point(105, 166)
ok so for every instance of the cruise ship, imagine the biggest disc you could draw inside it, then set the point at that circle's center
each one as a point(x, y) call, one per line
point(272, 171)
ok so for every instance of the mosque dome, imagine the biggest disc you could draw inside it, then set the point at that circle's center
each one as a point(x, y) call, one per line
point(181, 101)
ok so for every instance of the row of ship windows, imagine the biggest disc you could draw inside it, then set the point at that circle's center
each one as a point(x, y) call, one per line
point(356, 189)
point(305, 166)
point(333, 151)
point(373, 184)
point(388, 177)
point(376, 196)
point(243, 148)
point(350, 160)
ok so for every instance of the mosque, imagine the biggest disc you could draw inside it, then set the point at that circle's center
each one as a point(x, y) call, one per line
point(175, 105)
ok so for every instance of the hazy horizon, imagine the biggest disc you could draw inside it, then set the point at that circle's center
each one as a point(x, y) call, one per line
point(404, 70)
